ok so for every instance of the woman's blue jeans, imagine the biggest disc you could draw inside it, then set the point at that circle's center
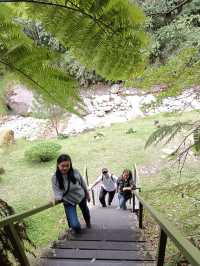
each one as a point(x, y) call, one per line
point(72, 217)
point(122, 201)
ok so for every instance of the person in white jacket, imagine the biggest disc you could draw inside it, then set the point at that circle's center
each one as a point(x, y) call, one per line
point(108, 185)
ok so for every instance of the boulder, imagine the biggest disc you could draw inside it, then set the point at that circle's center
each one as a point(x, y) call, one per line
point(20, 100)
point(100, 113)
point(117, 101)
point(148, 99)
point(7, 137)
point(115, 89)
point(28, 127)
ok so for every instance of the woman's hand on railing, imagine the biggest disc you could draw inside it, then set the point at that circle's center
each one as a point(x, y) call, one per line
point(126, 188)
point(55, 201)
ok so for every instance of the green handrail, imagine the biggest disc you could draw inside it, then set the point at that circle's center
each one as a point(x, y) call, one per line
point(8, 224)
point(20, 216)
point(191, 253)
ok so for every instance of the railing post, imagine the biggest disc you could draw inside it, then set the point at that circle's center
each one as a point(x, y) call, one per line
point(133, 202)
point(140, 216)
point(17, 244)
point(161, 248)
point(93, 197)
point(86, 176)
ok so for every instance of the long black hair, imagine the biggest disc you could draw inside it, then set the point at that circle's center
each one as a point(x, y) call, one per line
point(70, 174)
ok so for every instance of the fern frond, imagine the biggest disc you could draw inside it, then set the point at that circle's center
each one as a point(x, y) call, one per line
point(35, 66)
point(165, 131)
point(106, 36)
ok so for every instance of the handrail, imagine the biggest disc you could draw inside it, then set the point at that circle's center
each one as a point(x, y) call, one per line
point(188, 250)
point(20, 216)
point(12, 234)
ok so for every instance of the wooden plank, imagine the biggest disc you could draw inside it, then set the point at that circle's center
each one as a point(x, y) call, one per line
point(161, 248)
point(100, 255)
point(101, 245)
point(110, 235)
point(60, 262)
point(111, 218)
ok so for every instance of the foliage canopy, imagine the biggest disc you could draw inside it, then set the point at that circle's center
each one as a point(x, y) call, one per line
point(106, 36)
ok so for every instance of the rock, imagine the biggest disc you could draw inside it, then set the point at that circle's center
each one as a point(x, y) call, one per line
point(107, 108)
point(101, 99)
point(118, 117)
point(115, 89)
point(117, 100)
point(28, 127)
point(99, 135)
point(100, 113)
point(168, 151)
point(75, 125)
point(134, 114)
point(148, 99)
point(89, 105)
point(7, 137)
point(195, 104)
point(20, 100)
point(135, 111)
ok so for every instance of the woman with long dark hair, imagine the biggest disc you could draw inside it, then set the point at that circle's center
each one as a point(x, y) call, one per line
point(70, 188)
point(125, 185)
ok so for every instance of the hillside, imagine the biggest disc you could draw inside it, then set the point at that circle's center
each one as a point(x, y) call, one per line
point(28, 185)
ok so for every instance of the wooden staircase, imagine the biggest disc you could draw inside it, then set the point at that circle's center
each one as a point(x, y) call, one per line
point(113, 240)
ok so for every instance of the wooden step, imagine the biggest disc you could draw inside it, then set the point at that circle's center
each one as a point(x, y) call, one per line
point(125, 235)
point(100, 245)
point(60, 262)
point(100, 255)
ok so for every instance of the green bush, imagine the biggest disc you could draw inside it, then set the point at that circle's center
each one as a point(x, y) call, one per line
point(2, 171)
point(131, 131)
point(42, 152)
point(62, 136)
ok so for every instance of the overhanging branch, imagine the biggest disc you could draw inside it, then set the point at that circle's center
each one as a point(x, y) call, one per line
point(165, 13)
point(29, 78)
point(73, 7)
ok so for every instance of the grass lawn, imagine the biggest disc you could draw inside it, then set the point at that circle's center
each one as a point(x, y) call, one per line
point(26, 185)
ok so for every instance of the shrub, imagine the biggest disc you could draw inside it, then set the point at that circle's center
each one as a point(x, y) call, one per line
point(2, 171)
point(63, 136)
point(131, 131)
point(42, 152)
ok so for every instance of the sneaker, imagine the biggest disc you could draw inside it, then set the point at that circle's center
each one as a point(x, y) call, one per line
point(88, 225)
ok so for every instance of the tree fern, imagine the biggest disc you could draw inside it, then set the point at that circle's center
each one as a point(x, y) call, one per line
point(196, 136)
point(107, 36)
point(167, 133)
point(34, 66)
point(189, 142)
